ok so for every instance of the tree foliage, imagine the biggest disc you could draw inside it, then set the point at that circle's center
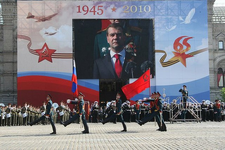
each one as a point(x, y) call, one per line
point(222, 94)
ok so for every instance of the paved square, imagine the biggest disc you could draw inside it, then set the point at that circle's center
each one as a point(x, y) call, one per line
point(185, 135)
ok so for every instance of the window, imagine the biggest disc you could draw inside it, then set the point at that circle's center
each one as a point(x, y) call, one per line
point(221, 47)
point(220, 77)
point(1, 18)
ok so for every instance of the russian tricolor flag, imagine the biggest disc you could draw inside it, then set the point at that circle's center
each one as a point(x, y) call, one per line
point(74, 80)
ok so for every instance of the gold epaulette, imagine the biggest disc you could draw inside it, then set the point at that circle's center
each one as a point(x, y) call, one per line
point(135, 28)
point(101, 30)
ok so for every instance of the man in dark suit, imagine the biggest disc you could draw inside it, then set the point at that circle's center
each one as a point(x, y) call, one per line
point(48, 114)
point(117, 63)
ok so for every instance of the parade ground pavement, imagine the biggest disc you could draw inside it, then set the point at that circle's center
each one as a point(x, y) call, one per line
point(179, 136)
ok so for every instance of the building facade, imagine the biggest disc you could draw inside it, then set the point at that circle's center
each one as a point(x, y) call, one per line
point(8, 50)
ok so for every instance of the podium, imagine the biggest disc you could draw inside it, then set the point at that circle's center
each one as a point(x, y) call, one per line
point(178, 112)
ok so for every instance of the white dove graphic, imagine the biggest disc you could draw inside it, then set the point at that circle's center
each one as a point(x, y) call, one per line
point(172, 28)
point(189, 17)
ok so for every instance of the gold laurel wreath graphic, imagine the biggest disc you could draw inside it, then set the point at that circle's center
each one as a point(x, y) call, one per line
point(172, 62)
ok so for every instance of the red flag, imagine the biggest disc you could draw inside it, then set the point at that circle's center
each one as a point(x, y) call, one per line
point(143, 82)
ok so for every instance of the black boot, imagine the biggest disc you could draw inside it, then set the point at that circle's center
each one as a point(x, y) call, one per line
point(85, 132)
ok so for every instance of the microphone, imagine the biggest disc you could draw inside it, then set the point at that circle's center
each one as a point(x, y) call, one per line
point(130, 67)
point(146, 65)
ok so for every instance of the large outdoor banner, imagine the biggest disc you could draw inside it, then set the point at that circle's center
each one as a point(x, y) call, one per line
point(169, 37)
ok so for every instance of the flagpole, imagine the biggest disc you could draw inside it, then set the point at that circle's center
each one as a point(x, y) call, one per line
point(150, 83)
point(73, 61)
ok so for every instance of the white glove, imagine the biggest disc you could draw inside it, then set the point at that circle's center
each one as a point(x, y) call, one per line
point(68, 101)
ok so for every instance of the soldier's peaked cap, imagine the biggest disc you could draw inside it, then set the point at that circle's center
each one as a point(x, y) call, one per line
point(81, 94)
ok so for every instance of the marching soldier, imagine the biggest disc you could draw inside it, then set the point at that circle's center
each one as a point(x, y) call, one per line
point(118, 112)
point(80, 113)
point(155, 111)
point(48, 114)
point(109, 111)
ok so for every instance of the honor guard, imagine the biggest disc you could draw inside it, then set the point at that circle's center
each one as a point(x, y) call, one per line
point(80, 113)
point(118, 112)
point(155, 111)
point(48, 114)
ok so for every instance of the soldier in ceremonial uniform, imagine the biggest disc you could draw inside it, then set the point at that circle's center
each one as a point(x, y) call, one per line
point(48, 114)
point(211, 112)
point(204, 110)
point(109, 111)
point(80, 113)
point(217, 110)
point(126, 111)
point(222, 111)
point(60, 111)
point(1, 115)
point(118, 112)
point(184, 92)
point(14, 115)
point(155, 111)
point(137, 109)
point(165, 112)
point(94, 112)
point(8, 115)
point(42, 111)
point(24, 113)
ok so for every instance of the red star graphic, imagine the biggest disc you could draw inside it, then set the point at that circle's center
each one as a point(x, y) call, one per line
point(113, 9)
point(181, 57)
point(45, 53)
